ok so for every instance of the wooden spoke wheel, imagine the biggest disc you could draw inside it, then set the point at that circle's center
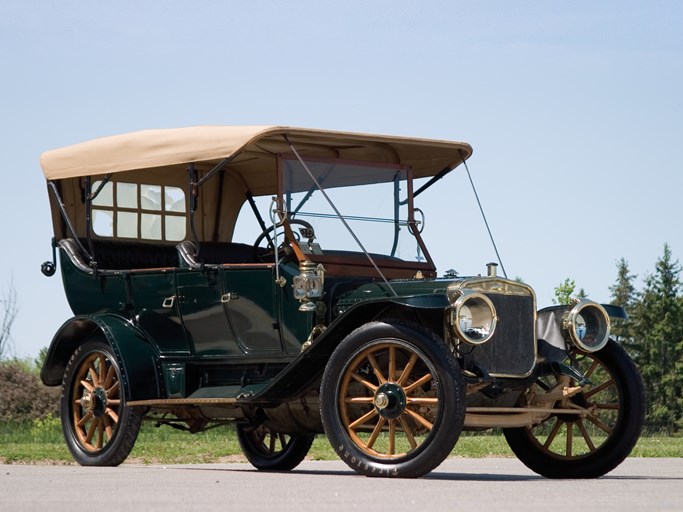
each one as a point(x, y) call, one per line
point(392, 400)
point(99, 428)
point(274, 451)
point(572, 446)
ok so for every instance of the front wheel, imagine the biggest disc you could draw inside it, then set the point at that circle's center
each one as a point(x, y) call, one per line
point(568, 446)
point(272, 451)
point(392, 400)
point(99, 428)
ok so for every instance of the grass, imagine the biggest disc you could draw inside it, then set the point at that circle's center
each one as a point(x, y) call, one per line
point(41, 442)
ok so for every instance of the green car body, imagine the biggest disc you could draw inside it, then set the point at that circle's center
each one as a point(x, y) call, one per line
point(177, 321)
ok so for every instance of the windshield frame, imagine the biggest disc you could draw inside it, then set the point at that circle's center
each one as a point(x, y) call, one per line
point(426, 267)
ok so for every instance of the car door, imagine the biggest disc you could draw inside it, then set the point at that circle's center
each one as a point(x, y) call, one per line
point(157, 312)
point(199, 295)
point(250, 297)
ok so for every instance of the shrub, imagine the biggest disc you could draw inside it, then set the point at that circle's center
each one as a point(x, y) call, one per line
point(23, 397)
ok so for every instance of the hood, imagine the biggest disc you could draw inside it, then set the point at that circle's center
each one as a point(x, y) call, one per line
point(434, 289)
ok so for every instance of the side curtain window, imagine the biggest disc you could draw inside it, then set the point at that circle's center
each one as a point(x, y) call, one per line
point(139, 211)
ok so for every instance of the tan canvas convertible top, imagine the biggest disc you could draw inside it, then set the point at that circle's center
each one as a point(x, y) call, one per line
point(162, 157)
point(169, 147)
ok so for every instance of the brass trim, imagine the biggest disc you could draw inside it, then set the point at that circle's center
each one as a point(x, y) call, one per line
point(569, 322)
point(467, 295)
point(498, 285)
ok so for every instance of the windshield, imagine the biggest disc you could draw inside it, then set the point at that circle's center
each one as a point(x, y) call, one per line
point(372, 199)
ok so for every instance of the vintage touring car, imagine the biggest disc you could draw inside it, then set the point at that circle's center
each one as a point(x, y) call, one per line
point(323, 322)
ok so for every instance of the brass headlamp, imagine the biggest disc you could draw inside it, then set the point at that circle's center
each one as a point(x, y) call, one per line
point(586, 325)
point(472, 316)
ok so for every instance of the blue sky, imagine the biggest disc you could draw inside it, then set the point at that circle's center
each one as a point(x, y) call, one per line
point(574, 111)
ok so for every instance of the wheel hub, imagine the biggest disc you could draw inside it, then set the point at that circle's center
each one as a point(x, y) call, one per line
point(390, 400)
point(576, 400)
point(95, 402)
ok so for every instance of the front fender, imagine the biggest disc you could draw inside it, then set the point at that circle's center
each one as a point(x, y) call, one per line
point(304, 372)
point(551, 344)
point(135, 354)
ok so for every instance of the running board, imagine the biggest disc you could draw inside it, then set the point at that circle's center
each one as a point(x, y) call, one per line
point(182, 401)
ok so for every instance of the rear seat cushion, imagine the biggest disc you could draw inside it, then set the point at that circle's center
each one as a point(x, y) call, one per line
point(217, 253)
point(124, 255)
point(120, 255)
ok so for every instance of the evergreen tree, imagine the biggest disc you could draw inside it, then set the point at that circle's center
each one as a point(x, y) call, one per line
point(658, 343)
point(623, 294)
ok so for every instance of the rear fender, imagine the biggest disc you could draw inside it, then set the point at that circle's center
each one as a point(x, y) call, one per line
point(136, 356)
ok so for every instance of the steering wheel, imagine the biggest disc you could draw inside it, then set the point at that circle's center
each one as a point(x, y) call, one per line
point(270, 229)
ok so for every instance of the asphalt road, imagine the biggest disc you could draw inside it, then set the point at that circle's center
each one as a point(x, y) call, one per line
point(458, 484)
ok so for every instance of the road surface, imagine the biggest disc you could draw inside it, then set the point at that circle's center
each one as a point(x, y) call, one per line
point(490, 484)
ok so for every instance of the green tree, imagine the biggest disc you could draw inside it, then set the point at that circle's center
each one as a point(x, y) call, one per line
point(39, 361)
point(623, 294)
point(564, 292)
point(657, 329)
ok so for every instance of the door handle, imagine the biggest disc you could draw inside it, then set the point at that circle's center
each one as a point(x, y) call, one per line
point(228, 297)
point(168, 302)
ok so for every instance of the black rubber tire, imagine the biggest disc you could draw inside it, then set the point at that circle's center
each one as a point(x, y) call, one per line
point(383, 342)
point(259, 446)
point(626, 390)
point(112, 426)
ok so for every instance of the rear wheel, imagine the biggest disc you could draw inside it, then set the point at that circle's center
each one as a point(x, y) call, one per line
point(273, 451)
point(392, 400)
point(99, 428)
point(568, 446)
